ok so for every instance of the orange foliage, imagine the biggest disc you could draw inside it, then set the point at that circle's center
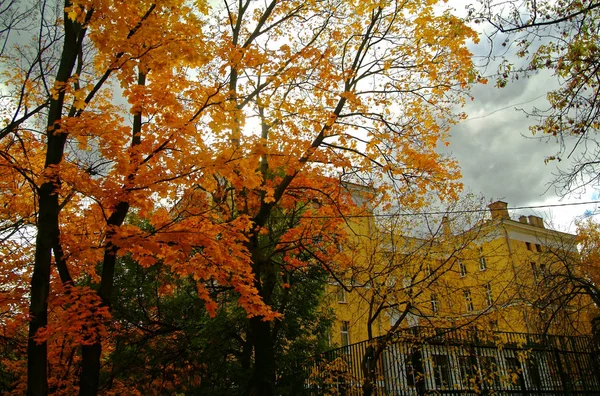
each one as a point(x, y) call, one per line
point(240, 128)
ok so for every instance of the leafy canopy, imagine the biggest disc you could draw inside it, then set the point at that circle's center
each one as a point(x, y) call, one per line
point(209, 121)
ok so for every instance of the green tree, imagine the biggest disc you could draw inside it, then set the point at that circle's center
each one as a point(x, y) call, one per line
point(166, 341)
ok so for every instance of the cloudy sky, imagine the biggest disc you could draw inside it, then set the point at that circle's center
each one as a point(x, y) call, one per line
point(500, 159)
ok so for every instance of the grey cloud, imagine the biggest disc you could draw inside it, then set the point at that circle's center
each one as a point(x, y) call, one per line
point(495, 149)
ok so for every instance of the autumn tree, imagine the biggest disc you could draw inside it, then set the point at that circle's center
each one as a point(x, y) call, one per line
point(588, 240)
point(561, 37)
point(210, 123)
point(77, 167)
point(357, 65)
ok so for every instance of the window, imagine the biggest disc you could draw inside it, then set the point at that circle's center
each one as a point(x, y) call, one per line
point(482, 262)
point(394, 316)
point(412, 320)
point(529, 246)
point(462, 268)
point(341, 294)
point(428, 270)
point(435, 304)
point(345, 333)
point(538, 247)
point(489, 297)
point(468, 300)
point(441, 371)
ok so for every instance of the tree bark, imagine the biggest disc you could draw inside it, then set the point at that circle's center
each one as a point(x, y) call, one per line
point(262, 382)
point(369, 365)
point(47, 222)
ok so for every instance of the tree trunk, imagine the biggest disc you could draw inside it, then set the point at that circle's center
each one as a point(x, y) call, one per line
point(90, 369)
point(37, 364)
point(90, 354)
point(369, 365)
point(262, 382)
point(47, 222)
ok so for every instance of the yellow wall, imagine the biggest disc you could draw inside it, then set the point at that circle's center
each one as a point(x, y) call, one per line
point(508, 247)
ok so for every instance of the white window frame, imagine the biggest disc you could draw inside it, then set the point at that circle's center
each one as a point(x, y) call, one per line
point(435, 304)
point(341, 295)
point(489, 296)
point(462, 268)
point(468, 300)
point(345, 333)
point(482, 262)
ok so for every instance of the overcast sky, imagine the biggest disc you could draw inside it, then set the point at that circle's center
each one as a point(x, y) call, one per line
point(500, 159)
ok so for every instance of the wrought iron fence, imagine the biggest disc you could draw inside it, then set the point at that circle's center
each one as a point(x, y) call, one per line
point(422, 361)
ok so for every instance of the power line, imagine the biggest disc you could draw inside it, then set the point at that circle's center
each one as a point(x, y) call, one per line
point(464, 211)
point(554, 205)
point(504, 108)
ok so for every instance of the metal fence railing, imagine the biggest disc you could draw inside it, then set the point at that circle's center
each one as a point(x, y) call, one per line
point(422, 361)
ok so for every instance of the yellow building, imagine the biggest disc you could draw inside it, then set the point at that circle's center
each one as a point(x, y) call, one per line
point(502, 274)
point(532, 295)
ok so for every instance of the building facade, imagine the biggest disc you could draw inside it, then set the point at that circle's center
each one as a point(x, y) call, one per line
point(502, 274)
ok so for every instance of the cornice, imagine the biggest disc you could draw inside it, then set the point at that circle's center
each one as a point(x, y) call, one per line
point(530, 229)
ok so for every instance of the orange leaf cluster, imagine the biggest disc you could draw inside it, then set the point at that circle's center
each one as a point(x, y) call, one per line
point(216, 148)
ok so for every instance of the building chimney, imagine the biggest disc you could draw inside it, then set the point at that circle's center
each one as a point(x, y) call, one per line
point(499, 210)
point(523, 219)
point(446, 226)
point(536, 221)
point(533, 220)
